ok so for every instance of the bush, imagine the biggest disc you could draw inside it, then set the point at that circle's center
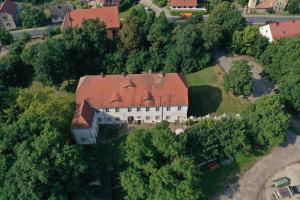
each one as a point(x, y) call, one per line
point(32, 17)
point(293, 6)
point(239, 79)
point(160, 3)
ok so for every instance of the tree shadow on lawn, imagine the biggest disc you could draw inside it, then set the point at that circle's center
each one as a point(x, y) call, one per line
point(203, 100)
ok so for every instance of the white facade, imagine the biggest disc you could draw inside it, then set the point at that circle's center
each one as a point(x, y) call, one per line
point(86, 135)
point(266, 32)
point(174, 114)
point(141, 115)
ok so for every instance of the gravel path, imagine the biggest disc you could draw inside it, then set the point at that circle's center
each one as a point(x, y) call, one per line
point(250, 184)
point(261, 85)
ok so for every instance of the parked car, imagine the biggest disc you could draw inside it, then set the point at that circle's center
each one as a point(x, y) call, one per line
point(281, 182)
point(295, 189)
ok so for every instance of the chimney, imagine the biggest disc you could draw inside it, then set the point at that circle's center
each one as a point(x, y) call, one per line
point(277, 23)
point(293, 21)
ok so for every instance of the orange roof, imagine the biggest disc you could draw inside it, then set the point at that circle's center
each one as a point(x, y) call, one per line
point(108, 15)
point(9, 7)
point(83, 116)
point(188, 3)
point(285, 29)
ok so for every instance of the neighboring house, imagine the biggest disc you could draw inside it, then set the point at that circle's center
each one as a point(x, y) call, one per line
point(108, 15)
point(186, 5)
point(100, 3)
point(134, 98)
point(262, 5)
point(9, 15)
point(280, 30)
point(58, 12)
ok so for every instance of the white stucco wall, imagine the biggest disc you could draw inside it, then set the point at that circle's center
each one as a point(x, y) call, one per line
point(101, 116)
point(151, 116)
point(266, 32)
point(7, 21)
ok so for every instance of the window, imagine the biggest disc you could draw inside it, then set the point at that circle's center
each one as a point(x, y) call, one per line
point(157, 108)
point(106, 110)
point(99, 119)
point(168, 117)
point(147, 109)
point(83, 139)
point(139, 117)
point(117, 119)
point(117, 109)
point(109, 119)
point(7, 24)
point(138, 109)
point(179, 107)
point(129, 109)
point(147, 117)
point(97, 111)
point(157, 117)
point(4, 18)
point(168, 108)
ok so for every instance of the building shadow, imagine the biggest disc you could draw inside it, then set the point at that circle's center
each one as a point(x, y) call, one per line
point(203, 100)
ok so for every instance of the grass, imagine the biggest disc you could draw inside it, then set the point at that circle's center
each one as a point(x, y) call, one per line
point(126, 13)
point(208, 96)
point(218, 180)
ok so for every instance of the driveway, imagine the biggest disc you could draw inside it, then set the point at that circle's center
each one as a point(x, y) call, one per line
point(249, 186)
point(261, 84)
point(33, 32)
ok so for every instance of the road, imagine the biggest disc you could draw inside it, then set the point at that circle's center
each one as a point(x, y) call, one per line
point(33, 32)
point(249, 186)
point(251, 19)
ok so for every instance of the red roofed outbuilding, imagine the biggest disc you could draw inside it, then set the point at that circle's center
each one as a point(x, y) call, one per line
point(134, 98)
point(280, 30)
point(9, 15)
point(184, 4)
point(108, 15)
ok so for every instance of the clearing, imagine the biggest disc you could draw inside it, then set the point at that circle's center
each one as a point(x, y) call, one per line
point(208, 96)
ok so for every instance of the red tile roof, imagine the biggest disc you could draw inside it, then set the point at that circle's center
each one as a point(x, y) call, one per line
point(108, 15)
point(134, 90)
point(285, 29)
point(9, 7)
point(83, 117)
point(188, 3)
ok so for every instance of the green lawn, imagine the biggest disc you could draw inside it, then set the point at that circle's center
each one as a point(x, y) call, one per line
point(218, 180)
point(126, 13)
point(207, 94)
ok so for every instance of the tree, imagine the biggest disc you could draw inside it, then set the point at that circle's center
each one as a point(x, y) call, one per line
point(159, 167)
point(37, 159)
point(228, 18)
point(5, 38)
point(49, 62)
point(239, 78)
point(87, 47)
point(249, 41)
point(293, 6)
point(266, 121)
point(135, 62)
point(14, 72)
point(211, 35)
point(210, 139)
point(281, 63)
point(32, 17)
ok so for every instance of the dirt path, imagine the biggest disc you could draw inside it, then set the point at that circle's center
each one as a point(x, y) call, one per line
point(250, 184)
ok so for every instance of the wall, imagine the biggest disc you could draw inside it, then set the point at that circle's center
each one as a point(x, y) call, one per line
point(266, 32)
point(86, 135)
point(142, 116)
point(7, 23)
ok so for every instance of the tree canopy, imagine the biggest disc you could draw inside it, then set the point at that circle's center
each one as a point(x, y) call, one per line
point(32, 17)
point(239, 78)
point(37, 159)
point(159, 166)
point(5, 37)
